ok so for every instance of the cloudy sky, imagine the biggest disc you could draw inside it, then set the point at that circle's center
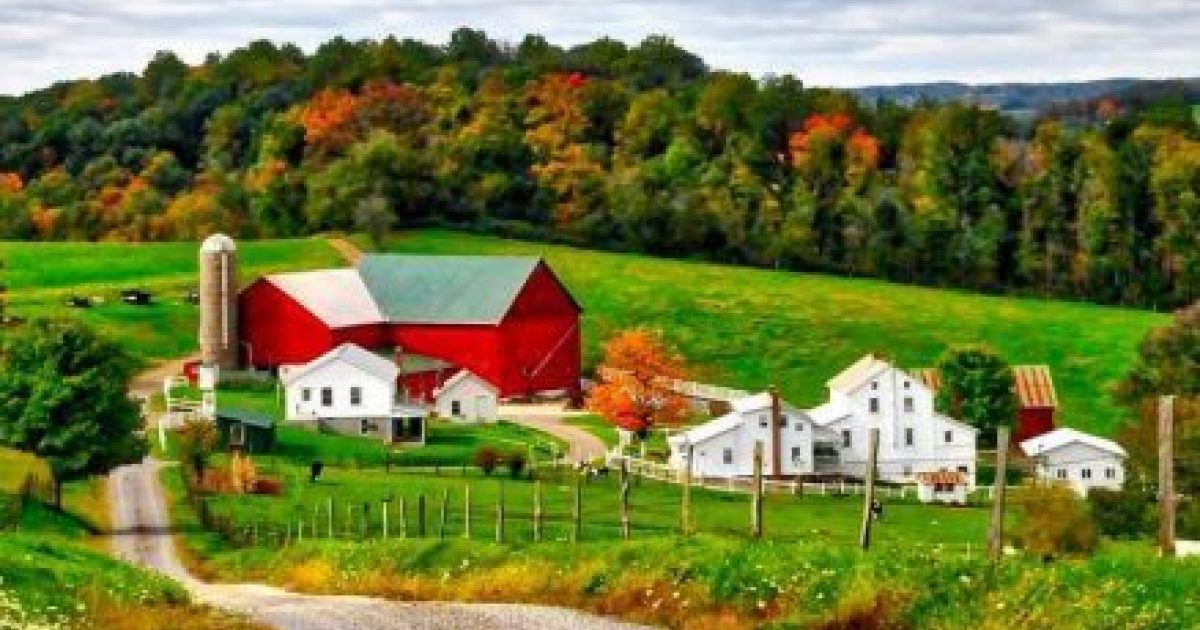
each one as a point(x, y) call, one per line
point(827, 42)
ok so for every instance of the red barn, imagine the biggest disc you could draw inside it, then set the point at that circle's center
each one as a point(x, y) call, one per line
point(1036, 400)
point(509, 320)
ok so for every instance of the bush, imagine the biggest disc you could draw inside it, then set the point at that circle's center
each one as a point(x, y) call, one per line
point(516, 463)
point(1054, 521)
point(1122, 513)
point(487, 458)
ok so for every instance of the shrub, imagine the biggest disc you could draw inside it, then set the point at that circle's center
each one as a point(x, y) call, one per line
point(1122, 513)
point(1054, 521)
point(487, 458)
point(516, 463)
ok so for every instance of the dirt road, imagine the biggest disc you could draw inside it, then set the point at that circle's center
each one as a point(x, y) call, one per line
point(143, 535)
point(582, 446)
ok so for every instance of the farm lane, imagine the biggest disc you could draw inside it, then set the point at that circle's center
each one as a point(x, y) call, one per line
point(142, 535)
point(582, 445)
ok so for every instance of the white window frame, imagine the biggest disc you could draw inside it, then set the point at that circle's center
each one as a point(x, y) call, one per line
point(873, 404)
point(910, 405)
point(1085, 473)
point(306, 394)
point(847, 438)
point(456, 407)
point(356, 396)
point(948, 436)
point(326, 396)
point(910, 436)
point(727, 456)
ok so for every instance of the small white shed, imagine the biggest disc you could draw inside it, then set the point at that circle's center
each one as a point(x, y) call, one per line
point(467, 398)
point(1077, 459)
point(943, 486)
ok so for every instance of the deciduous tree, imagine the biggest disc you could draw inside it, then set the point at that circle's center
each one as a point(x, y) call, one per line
point(634, 390)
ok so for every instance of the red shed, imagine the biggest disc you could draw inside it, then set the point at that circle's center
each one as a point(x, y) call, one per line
point(1036, 400)
point(508, 319)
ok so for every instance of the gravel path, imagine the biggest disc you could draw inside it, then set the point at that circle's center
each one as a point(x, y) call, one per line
point(582, 445)
point(142, 535)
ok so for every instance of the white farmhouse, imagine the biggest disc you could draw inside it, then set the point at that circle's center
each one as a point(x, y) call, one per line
point(1078, 459)
point(466, 397)
point(913, 437)
point(351, 390)
point(724, 447)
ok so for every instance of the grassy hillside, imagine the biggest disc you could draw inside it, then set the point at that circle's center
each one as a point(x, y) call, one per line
point(41, 276)
point(748, 328)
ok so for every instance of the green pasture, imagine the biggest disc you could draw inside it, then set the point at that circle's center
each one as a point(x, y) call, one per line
point(42, 276)
point(748, 328)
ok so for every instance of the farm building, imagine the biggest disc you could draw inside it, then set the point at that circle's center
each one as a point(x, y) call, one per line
point(1080, 460)
point(508, 320)
point(725, 446)
point(943, 486)
point(247, 430)
point(913, 437)
point(1036, 400)
point(467, 398)
point(353, 391)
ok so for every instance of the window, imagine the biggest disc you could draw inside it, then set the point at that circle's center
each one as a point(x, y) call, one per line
point(799, 426)
point(874, 405)
point(1110, 473)
point(364, 427)
point(762, 421)
point(796, 454)
point(1086, 473)
point(306, 394)
point(783, 420)
point(910, 437)
point(963, 469)
point(874, 384)
point(237, 434)
point(949, 436)
point(456, 407)
point(907, 384)
point(846, 438)
point(355, 396)
point(1061, 473)
point(907, 470)
point(326, 396)
point(908, 404)
point(727, 456)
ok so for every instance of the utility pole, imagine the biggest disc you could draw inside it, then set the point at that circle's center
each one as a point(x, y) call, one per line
point(756, 509)
point(1166, 475)
point(776, 435)
point(864, 537)
point(999, 485)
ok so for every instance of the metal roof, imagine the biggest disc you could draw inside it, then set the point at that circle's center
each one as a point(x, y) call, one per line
point(1032, 383)
point(854, 376)
point(445, 289)
point(1059, 438)
point(351, 354)
point(337, 297)
point(251, 418)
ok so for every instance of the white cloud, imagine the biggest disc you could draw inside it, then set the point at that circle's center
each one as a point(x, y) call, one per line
point(828, 42)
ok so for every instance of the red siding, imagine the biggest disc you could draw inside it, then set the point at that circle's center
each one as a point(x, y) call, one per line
point(535, 348)
point(1032, 422)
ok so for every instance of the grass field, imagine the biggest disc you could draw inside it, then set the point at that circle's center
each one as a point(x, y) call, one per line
point(41, 276)
point(748, 328)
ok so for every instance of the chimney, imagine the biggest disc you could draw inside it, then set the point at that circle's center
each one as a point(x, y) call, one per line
point(776, 434)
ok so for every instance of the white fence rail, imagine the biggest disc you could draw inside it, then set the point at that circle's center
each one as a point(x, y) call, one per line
point(691, 389)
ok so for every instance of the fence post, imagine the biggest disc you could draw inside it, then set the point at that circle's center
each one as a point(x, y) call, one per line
point(756, 517)
point(577, 510)
point(421, 515)
point(500, 512)
point(383, 511)
point(366, 522)
point(403, 518)
point(332, 534)
point(467, 511)
point(442, 514)
point(537, 511)
point(349, 520)
point(625, 533)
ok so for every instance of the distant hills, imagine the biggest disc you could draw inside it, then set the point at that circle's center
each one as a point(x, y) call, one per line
point(1025, 96)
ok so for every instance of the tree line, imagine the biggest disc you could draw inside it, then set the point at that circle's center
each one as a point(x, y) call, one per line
point(639, 148)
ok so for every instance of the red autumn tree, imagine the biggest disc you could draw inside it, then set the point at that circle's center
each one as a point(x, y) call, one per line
point(634, 390)
point(330, 120)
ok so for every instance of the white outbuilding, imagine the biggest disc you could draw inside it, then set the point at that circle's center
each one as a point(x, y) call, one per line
point(1077, 459)
point(724, 447)
point(944, 486)
point(353, 391)
point(466, 397)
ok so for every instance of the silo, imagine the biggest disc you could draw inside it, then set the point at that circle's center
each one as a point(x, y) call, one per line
point(218, 302)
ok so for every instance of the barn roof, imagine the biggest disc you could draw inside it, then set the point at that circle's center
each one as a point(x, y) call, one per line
point(337, 297)
point(445, 289)
point(1033, 384)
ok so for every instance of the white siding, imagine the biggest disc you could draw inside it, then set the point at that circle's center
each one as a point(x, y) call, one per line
point(709, 455)
point(474, 399)
point(1082, 467)
point(339, 378)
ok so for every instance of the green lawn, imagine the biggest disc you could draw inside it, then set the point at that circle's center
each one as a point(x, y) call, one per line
point(748, 328)
point(41, 276)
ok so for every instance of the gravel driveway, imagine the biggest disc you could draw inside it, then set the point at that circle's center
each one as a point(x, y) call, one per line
point(142, 535)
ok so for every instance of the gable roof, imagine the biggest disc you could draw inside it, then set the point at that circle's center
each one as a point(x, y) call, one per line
point(1059, 438)
point(337, 297)
point(460, 377)
point(854, 376)
point(351, 354)
point(246, 417)
point(1032, 383)
point(761, 400)
point(445, 289)
point(708, 430)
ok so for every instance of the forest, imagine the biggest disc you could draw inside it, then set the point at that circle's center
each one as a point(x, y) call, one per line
point(614, 146)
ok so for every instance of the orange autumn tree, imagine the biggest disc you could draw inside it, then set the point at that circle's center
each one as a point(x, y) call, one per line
point(633, 391)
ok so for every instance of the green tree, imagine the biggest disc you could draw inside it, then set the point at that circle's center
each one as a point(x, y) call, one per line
point(64, 396)
point(977, 388)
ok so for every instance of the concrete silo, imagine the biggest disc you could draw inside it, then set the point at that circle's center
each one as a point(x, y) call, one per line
point(218, 302)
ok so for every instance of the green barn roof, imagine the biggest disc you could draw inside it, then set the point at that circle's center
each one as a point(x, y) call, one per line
point(445, 289)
